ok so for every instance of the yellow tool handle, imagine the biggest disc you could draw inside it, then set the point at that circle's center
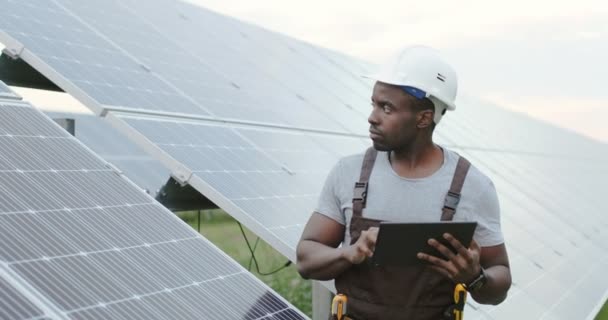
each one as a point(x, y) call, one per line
point(338, 307)
point(460, 297)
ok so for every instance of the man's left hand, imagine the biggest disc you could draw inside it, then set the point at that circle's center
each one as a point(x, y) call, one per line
point(460, 267)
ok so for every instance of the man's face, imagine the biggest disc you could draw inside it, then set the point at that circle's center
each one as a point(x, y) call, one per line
point(393, 120)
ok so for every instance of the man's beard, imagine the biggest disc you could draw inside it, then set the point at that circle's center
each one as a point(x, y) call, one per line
point(381, 147)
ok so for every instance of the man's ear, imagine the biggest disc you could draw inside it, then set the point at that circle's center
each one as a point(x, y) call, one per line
point(424, 119)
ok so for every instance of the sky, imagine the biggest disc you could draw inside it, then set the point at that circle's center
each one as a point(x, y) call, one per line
point(543, 58)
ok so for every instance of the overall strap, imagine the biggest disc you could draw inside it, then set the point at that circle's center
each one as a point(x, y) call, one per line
point(453, 196)
point(360, 193)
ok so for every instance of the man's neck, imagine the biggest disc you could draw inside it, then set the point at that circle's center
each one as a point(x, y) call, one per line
point(418, 160)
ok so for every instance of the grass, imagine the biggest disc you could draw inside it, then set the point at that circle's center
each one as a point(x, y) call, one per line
point(603, 315)
point(224, 232)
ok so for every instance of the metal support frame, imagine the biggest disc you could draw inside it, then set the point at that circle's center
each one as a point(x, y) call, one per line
point(321, 301)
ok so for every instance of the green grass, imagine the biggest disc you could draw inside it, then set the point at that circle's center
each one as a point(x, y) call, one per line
point(224, 232)
point(603, 315)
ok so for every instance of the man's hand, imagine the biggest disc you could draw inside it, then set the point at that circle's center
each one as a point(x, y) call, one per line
point(363, 248)
point(462, 267)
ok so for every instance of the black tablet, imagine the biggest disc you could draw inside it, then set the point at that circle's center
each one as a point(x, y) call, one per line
point(399, 243)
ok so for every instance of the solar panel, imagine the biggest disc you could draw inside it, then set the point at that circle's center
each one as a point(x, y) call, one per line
point(255, 105)
point(104, 140)
point(262, 176)
point(482, 125)
point(171, 75)
point(101, 66)
point(90, 245)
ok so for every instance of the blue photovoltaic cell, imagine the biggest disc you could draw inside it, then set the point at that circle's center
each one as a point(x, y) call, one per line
point(93, 246)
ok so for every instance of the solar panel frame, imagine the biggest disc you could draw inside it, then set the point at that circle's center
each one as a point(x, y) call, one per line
point(18, 302)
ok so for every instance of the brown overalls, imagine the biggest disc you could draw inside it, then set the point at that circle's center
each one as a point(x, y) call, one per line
point(393, 292)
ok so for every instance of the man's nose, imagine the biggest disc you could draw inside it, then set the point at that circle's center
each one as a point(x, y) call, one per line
point(373, 118)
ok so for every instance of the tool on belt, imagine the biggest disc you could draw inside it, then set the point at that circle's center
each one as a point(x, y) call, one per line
point(460, 297)
point(338, 307)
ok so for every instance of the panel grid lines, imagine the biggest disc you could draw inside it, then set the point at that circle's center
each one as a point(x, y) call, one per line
point(164, 291)
point(91, 245)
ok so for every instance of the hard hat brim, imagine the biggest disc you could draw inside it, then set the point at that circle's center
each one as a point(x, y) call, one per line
point(449, 105)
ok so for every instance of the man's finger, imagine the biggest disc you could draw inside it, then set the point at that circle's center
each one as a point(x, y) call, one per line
point(432, 259)
point(462, 250)
point(442, 271)
point(444, 264)
point(447, 253)
point(370, 241)
point(456, 244)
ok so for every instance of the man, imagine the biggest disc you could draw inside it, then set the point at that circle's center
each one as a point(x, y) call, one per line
point(405, 177)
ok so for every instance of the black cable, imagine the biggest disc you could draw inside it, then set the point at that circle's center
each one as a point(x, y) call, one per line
point(255, 246)
point(255, 261)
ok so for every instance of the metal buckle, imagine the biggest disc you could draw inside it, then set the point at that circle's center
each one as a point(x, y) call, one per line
point(360, 192)
point(451, 200)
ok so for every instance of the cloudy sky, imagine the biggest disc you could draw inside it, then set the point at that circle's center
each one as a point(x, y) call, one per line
point(545, 58)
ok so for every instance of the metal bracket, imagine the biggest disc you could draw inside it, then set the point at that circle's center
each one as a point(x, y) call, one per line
point(114, 168)
point(14, 50)
point(182, 175)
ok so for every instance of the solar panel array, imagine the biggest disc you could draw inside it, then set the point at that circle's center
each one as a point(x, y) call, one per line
point(104, 140)
point(254, 120)
point(79, 241)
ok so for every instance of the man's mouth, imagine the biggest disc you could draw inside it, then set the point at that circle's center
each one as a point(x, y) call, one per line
point(374, 134)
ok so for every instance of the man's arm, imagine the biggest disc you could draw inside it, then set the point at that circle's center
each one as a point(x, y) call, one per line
point(318, 254)
point(495, 262)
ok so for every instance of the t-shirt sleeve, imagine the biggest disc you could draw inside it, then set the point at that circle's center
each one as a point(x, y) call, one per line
point(488, 232)
point(329, 200)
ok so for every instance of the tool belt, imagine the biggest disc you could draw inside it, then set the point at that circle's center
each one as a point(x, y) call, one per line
point(455, 311)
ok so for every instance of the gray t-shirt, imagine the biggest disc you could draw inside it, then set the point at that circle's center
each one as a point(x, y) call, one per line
point(391, 197)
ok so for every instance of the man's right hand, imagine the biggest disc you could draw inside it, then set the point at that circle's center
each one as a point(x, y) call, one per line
point(363, 248)
point(319, 253)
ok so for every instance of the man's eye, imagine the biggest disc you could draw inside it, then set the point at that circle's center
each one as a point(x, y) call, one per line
point(384, 106)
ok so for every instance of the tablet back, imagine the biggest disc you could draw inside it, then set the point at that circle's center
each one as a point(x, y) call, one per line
point(399, 243)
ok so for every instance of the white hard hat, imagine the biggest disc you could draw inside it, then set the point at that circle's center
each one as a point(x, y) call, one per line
point(424, 74)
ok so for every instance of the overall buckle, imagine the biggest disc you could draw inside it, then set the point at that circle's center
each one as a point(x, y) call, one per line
point(360, 192)
point(451, 200)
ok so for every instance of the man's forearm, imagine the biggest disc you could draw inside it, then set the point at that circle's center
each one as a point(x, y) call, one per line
point(496, 287)
point(320, 262)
